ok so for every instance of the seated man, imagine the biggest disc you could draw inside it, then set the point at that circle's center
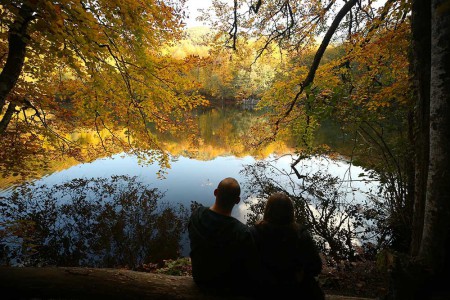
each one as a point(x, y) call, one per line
point(222, 250)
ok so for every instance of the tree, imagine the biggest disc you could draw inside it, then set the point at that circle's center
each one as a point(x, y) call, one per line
point(103, 222)
point(426, 268)
point(434, 243)
point(90, 65)
point(295, 23)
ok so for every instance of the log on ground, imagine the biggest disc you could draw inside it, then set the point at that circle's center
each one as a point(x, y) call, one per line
point(102, 283)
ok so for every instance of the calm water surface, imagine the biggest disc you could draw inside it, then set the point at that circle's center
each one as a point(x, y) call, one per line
point(190, 179)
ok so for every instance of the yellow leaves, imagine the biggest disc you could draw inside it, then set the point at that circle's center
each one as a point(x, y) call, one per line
point(375, 106)
point(378, 69)
point(326, 93)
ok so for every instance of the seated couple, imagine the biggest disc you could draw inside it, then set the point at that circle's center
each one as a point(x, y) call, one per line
point(275, 259)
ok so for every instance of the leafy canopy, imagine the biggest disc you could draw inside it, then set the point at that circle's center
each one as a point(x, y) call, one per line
point(92, 66)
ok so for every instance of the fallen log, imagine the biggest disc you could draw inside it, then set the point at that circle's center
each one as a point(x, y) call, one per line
point(102, 283)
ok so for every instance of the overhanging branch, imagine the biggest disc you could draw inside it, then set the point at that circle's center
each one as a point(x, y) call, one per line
point(17, 42)
point(315, 64)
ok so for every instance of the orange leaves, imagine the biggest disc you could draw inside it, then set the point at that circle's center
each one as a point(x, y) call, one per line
point(98, 66)
point(378, 69)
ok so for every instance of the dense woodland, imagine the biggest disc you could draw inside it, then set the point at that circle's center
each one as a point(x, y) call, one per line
point(125, 72)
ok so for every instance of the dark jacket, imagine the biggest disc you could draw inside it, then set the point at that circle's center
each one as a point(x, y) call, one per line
point(290, 261)
point(222, 252)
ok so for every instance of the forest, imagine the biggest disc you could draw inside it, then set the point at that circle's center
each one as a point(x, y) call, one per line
point(82, 80)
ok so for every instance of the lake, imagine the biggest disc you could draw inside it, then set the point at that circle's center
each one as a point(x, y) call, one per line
point(189, 178)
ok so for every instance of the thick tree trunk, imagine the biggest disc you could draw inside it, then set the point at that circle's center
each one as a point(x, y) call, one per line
point(421, 57)
point(433, 249)
point(95, 283)
point(425, 274)
point(17, 42)
point(84, 283)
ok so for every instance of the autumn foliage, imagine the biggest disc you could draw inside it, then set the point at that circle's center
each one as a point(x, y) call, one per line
point(76, 66)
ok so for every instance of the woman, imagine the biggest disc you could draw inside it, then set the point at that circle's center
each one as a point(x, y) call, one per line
point(287, 252)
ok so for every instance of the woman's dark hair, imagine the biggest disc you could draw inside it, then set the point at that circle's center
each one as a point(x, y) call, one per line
point(279, 210)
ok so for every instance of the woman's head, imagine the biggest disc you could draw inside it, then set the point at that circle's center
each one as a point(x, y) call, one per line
point(279, 210)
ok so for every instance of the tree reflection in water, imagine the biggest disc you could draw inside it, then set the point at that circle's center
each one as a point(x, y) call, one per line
point(97, 222)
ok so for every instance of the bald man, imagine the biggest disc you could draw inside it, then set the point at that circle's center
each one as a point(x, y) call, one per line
point(223, 253)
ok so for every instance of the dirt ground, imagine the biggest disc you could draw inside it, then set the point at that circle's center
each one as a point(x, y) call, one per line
point(352, 279)
point(358, 279)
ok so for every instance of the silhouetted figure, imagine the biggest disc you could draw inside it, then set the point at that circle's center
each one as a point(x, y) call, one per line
point(223, 253)
point(288, 254)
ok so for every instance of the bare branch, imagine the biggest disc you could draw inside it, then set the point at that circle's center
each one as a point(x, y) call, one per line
point(255, 8)
point(233, 31)
point(317, 58)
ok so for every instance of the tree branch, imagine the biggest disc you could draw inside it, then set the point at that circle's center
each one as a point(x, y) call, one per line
point(7, 116)
point(317, 58)
point(17, 42)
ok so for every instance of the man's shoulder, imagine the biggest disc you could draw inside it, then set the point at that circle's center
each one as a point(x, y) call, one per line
point(198, 211)
point(241, 230)
point(199, 208)
point(238, 225)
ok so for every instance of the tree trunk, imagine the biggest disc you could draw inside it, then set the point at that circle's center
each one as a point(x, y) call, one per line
point(17, 42)
point(437, 207)
point(425, 274)
point(91, 283)
point(7, 116)
point(103, 283)
point(421, 57)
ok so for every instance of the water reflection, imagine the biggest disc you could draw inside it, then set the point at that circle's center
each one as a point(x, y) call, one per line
point(116, 211)
point(330, 197)
point(98, 222)
point(219, 132)
point(104, 213)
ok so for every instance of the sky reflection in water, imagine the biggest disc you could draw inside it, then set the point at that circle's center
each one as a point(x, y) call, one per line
point(195, 180)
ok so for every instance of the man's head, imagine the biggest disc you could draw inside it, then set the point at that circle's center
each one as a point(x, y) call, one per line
point(227, 193)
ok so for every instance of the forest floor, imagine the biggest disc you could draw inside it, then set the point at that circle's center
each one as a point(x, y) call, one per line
point(362, 279)
point(356, 279)
point(112, 283)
